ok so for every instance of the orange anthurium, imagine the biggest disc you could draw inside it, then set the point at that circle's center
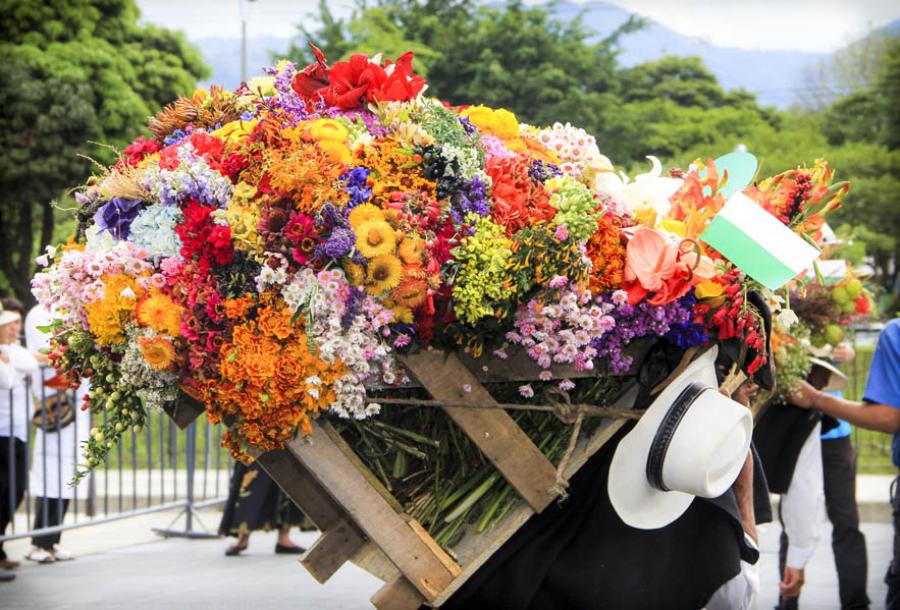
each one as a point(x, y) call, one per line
point(657, 268)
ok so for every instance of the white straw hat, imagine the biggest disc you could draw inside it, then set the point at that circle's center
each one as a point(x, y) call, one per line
point(8, 316)
point(836, 379)
point(692, 441)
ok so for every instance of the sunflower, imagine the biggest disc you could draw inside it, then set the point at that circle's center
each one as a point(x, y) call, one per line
point(384, 273)
point(364, 213)
point(411, 249)
point(374, 238)
point(160, 313)
point(158, 352)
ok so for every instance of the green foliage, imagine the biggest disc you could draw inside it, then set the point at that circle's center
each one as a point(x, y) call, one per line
point(74, 72)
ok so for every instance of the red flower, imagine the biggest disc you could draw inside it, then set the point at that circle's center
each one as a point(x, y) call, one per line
point(519, 201)
point(301, 231)
point(351, 84)
point(313, 77)
point(140, 148)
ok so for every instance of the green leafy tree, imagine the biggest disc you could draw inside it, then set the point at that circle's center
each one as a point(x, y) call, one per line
point(74, 72)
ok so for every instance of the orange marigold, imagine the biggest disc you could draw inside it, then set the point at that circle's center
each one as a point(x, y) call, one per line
point(607, 254)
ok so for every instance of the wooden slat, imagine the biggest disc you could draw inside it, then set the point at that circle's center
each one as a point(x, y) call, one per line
point(366, 506)
point(302, 488)
point(494, 432)
point(476, 548)
point(331, 550)
point(183, 411)
point(399, 594)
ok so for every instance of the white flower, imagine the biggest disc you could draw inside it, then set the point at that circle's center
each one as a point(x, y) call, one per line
point(649, 190)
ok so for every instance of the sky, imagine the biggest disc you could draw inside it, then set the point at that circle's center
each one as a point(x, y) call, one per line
point(803, 25)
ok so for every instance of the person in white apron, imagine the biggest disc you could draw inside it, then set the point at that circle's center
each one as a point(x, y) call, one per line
point(57, 449)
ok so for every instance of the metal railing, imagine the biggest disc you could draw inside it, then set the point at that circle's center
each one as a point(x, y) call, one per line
point(157, 468)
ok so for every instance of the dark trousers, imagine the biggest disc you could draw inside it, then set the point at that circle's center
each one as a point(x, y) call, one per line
point(892, 602)
point(784, 603)
point(13, 481)
point(847, 542)
point(56, 512)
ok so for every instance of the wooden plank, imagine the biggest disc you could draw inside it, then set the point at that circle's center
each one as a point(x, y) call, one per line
point(366, 506)
point(332, 549)
point(183, 411)
point(302, 488)
point(494, 432)
point(475, 549)
point(399, 594)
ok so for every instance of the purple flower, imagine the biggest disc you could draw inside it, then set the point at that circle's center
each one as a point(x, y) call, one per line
point(526, 391)
point(340, 243)
point(117, 215)
point(357, 185)
point(562, 233)
point(558, 281)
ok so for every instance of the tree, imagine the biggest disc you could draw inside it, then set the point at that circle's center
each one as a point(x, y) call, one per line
point(74, 72)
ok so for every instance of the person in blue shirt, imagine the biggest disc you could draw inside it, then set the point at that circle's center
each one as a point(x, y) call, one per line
point(839, 475)
point(880, 410)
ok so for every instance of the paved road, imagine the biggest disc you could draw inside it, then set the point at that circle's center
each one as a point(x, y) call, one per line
point(123, 565)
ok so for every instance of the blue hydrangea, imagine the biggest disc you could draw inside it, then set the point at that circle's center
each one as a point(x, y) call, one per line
point(192, 179)
point(154, 230)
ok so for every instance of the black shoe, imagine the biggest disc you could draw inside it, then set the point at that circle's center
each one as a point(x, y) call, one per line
point(8, 564)
point(7, 577)
point(280, 549)
point(234, 550)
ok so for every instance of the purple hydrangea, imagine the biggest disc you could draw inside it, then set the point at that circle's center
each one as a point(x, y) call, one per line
point(472, 197)
point(117, 215)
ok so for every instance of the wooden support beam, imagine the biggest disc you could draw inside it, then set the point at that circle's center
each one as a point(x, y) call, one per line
point(183, 411)
point(494, 432)
point(356, 491)
point(399, 594)
point(332, 549)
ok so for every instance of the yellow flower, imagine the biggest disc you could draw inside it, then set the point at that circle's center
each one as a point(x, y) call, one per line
point(411, 249)
point(356, 274)
point(235, 131)
point(673, 226)
point(374, 238)
point(501, 123)
point(161, 313)
point(327, 129)
point(384, 273)
point(411, 292)
point(158, 352)
point(336, 150)
point(364, 213)
point(402, 314)
point(645, 215)
point(711, 292)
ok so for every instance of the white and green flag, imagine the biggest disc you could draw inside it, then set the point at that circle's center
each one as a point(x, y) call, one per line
point(758, 243)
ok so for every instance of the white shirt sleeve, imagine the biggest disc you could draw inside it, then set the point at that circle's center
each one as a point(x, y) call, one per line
point(21, 360)
point(740, 592)
point(7, 376)
point(802, 504)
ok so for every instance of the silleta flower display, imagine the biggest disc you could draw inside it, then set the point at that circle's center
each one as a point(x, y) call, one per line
point(268, 251)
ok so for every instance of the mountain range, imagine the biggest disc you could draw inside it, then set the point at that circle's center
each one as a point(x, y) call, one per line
point(776, 77)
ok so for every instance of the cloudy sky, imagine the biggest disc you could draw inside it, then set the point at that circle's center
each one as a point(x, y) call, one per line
point(807, 25)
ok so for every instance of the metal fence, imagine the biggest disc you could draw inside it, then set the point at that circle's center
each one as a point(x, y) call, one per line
point(155, 469)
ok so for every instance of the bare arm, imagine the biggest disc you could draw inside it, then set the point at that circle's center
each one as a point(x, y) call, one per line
point(883, 418)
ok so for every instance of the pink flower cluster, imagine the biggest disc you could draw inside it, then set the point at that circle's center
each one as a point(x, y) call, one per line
point(560, 330)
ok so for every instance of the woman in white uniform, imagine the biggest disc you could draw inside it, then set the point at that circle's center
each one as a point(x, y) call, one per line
point(56, 450)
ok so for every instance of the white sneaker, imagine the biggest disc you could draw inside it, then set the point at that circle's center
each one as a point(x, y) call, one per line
point(40, 555)
point(62, 554)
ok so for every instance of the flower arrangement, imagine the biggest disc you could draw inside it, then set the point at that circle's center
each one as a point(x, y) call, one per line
point(269, 250)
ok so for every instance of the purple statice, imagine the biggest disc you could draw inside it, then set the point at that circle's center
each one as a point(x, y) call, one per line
point(541, 172)
point(356, 183)
point(353, 306)
point(473, 196)
point(634, 322)
point(288, 100)
point(117, 215)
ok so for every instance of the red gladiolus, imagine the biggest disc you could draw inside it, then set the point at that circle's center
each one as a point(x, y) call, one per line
point(313, 77)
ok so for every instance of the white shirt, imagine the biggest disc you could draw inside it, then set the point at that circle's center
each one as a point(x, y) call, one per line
point(803, 503)
point(15, 402)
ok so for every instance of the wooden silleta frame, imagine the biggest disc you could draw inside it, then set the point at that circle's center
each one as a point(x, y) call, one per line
point(362, 522)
